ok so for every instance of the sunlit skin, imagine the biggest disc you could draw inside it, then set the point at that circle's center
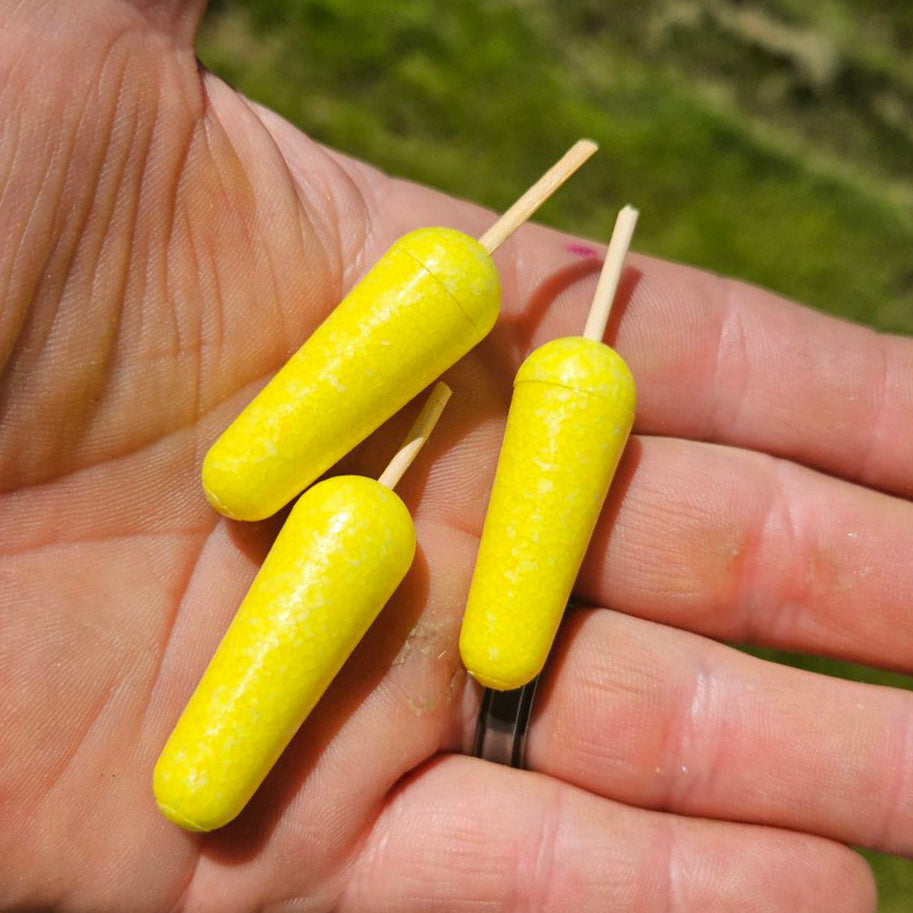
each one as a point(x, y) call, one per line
point(164, 246)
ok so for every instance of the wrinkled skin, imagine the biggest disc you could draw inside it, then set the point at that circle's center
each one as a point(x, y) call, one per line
point(165, 246)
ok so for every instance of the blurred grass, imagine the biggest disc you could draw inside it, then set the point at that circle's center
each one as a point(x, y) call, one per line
point(771, 140)
point(747, 154)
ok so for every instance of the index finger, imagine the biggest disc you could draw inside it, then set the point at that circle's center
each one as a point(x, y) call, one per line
point(723, 361)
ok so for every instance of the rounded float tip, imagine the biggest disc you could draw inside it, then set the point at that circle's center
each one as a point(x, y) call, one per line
point(493, 672)
point(217, 486)
point(177, 818)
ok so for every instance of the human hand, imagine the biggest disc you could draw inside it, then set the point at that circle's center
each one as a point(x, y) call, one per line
point(166, 246)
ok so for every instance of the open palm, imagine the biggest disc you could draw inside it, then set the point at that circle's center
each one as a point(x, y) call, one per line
point(166, 246)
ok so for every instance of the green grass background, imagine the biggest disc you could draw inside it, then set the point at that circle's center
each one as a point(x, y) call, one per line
point(768, 139)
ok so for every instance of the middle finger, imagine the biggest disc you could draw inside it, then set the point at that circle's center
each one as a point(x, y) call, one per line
point(736, 545)
point(745, 547)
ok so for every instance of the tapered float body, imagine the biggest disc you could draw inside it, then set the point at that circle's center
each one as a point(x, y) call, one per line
point(432, 297)
point(570, 417)
point(344, 549)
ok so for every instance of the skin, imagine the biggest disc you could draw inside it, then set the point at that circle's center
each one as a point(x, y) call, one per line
point(166, 245)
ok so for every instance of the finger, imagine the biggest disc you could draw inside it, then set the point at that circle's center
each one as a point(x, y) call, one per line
point(732, 544)
point(467, 835)
point(176, 20)
point(759, 372)
point(720, 360)
point(764, 374)
point(661, 719)
point(747, 548)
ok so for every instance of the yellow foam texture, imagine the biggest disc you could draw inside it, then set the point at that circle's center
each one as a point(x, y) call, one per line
point(432, 297)
point(570, 416)
point(344, 549)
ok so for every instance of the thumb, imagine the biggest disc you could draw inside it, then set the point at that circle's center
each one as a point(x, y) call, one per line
point(66, 20)
point(176, 18)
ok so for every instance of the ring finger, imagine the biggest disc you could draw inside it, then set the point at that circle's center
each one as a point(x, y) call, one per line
point(465, 835)
point(664, 719)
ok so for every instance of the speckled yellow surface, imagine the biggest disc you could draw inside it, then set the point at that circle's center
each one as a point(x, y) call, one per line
point(570, 416)
point(426, 302)
point(344, 549)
